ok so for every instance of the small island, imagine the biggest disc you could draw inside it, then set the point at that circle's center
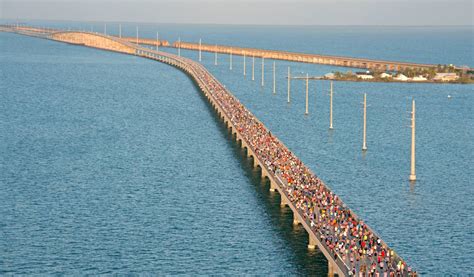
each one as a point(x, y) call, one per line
point(440, 74)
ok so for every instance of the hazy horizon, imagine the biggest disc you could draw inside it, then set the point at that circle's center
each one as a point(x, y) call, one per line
point(259, 12)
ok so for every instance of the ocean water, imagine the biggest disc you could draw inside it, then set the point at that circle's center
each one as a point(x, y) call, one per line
point(112, 163)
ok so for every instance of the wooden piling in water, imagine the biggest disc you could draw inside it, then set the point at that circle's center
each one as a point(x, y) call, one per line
point(274, 81)
point(330, 108)
point(307, 81)
point(245, 73)
point(364, 135)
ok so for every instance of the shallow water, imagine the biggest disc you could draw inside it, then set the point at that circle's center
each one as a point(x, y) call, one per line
point(126, 169)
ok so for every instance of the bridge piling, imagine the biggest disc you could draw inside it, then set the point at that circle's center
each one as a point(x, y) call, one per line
point(295, 219)
point(283, 202)
point(331, 268)
point(263, 71)
point(312, 242)
point(272, 186)
point(364, 135)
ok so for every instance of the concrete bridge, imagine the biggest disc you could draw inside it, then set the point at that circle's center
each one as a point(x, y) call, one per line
point(305, 58)
point(244, 125)
point(371, 64)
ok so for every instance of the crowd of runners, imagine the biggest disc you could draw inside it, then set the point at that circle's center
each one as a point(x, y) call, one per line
point(344, 235)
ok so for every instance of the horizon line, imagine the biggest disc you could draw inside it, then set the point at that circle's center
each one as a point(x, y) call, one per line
point(237, 24)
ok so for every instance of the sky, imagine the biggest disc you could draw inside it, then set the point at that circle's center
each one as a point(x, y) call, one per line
point(268, 12)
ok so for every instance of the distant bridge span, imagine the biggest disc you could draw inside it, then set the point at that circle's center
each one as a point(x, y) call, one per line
point(305, 57)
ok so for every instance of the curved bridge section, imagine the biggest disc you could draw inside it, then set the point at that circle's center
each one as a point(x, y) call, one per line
point(94, 40)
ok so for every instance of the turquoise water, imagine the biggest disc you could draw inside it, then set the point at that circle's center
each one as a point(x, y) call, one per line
point(125, 169)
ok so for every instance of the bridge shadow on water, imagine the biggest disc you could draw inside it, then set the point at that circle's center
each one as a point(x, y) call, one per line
point(307, 262)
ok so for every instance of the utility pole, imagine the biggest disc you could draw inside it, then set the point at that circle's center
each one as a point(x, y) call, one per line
point(200, 57)
point(330, 109)
point(413, 129)
point(289, 84)
point(307, 81)
point(253, 68)
point(245, 65)
point(215, 55)
point(137, 36)
point(274, 82)
point(157, 40)
point(364, 136)
point(179, 46)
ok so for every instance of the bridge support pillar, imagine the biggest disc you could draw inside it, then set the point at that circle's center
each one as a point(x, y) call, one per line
point(254, 161)
point(331, 269)
point(272, 186)
point(295, 219)
point(312, 242)
point(283, 202)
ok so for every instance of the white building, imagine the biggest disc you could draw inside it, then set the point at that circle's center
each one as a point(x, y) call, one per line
point(385, 75)
point(365, 76)
point(419, 79)
point(446, 77)
point(401, 77)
